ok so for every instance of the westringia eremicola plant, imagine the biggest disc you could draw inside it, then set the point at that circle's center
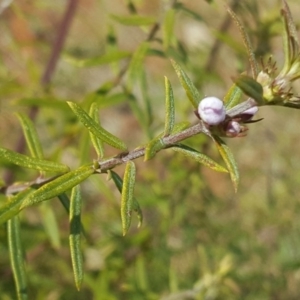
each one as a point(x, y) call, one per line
point(216, 118)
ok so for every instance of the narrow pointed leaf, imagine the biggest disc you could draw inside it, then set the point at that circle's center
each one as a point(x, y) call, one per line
point(53, 103)
point(199, 157)
point(127, 195)
point(134, 20)
point(17, 257)
point(97, 143)
point(251, 88)
point(181, 126)
point(170, 108)
point(153, 147)
point(290, 38)
point(12, 206)
point(229, 160)
point(50, 224)
point(96, 129)
point(65, 201)
point(233, 97)
point(31, 136)
point(58, 185)
point(136, 64)
point(135, 206)
point(247, 43)
point(168, 28)
point(188, 85)
point(32, 163)
point(75, 238)
point(106, 58)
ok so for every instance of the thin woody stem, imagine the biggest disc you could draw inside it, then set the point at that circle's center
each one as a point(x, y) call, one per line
point(105, 165)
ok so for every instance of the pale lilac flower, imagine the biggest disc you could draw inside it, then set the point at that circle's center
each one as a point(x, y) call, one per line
point(212, 111)
point(233, 128)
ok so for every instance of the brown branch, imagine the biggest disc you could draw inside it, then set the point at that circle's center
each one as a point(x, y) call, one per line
point(110, 163)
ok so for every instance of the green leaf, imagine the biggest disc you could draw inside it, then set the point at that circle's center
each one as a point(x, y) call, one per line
point(153, 147)
point(65, 201)
point(97, 143)
point(147, 103)
point(190, 12)
point(99, 60)
point(290, 38)
point(233, 97)
point(75, 238)
point(136, 64)
point(32, 163)
point(12, 206)
point(199, 157)
point(180, 126)
point(170, 108)
point(50, 224)
point(188, 85)
point(96, 129)
point(168, 28)
point(127, 195)
point(44, 102)
point(17, 257)
point(58, 185)
point(247, 43)
point(251, 88)
point(135, 206)
point(134, 20)
point(31, 136)
point(229, 160)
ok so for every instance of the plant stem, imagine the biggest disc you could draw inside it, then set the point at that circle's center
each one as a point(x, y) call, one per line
point(110, 163)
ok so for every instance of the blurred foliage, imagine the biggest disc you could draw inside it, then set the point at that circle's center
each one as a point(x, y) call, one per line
point(199, 239)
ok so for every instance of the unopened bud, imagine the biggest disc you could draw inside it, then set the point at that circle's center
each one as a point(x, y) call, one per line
point(211, 110)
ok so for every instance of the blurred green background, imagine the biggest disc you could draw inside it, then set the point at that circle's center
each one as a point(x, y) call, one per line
point(199, 239)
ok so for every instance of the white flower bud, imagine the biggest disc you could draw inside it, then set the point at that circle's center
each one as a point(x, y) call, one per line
point(211, 110)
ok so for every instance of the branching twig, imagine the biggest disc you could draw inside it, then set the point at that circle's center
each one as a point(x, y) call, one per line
point(110, 163)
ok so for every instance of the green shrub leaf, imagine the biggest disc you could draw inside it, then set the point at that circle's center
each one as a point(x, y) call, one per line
point(75, 238)
point(96, 129)
point(229, 160)
point(136, 64)
point(58, 185)
point(251, 88)
point(187, 84)
point(97, 143)
point(199, 157)
point(233, 97)
point(168, 28)
point(135, 206)
point(107, 58)
point(247, 43)
point(134, 20)
point(12, 206)
point(17, 257)
point(32, 163)
point(153, 147)
point(31, 136)
point(170, 108)
point(127, 195)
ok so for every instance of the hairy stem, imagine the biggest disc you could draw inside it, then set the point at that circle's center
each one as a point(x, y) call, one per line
point(109, 163)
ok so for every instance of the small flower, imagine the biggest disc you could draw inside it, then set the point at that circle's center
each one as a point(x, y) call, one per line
point(211, 110)
point(248, 113)
point(233, 129)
